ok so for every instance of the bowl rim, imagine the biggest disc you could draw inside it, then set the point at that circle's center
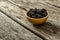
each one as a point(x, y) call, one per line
point(36, 18)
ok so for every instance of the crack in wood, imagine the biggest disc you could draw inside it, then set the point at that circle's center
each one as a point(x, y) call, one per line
point(53, 5)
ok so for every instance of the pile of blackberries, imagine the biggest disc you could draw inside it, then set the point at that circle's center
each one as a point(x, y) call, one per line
point(37, 13)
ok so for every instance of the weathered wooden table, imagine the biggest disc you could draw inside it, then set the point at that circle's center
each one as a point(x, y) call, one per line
point(15, 26)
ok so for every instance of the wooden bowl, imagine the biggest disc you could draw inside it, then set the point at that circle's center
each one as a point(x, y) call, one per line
point(37, 21)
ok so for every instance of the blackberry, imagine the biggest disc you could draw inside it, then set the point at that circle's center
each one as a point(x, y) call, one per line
point(38, 16)
point(31, 13)
point(38, 11)
point(43, 14)
point(33, 16)
point(43, 10)
point(35, 10)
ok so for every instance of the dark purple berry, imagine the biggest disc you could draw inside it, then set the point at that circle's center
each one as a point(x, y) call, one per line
point(38, 16)
point(33, 16)
point(43, 10)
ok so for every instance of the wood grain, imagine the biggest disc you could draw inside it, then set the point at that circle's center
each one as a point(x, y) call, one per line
point(49, 31)
point(10, 30)
point(55, 3)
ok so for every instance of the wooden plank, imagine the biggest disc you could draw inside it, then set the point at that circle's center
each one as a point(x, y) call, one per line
point(55, 3)
point(10, 30)
point(49, 31)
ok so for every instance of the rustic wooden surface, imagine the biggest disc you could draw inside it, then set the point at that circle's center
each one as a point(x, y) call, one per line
point(15, 10)
point(10, 30)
